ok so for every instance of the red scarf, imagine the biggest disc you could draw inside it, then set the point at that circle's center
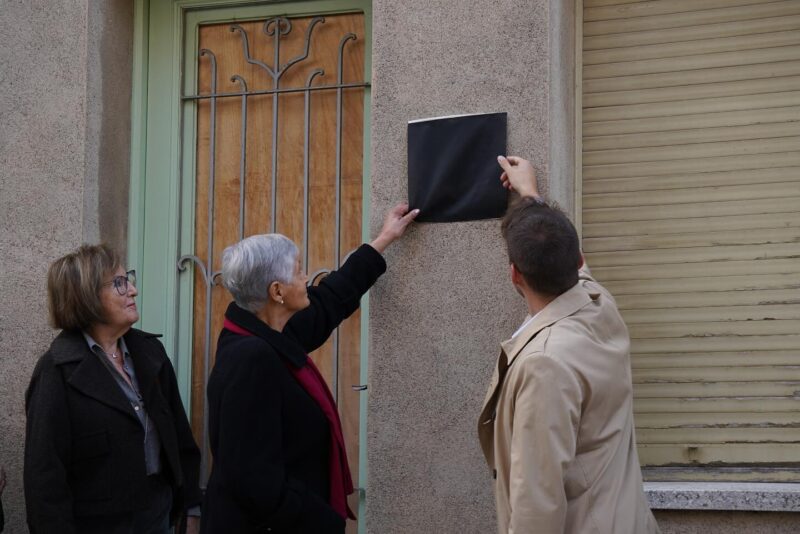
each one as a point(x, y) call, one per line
point(310, 379)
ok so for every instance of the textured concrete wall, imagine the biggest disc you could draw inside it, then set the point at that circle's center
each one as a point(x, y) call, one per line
point(437, 316)
point(61, 160)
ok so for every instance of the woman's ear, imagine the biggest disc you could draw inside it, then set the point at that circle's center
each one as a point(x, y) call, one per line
point(275, 292)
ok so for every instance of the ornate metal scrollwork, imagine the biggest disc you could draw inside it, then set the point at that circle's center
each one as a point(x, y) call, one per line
point(277, 28)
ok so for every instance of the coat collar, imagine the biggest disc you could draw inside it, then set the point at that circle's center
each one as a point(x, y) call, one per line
point(91, 376)
point(563, 306)
point(282, 344)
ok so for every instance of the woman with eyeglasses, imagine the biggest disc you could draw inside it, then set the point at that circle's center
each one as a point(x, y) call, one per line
point(108, 447)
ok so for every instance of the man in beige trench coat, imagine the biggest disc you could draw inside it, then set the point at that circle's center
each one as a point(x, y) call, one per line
point(557, 424)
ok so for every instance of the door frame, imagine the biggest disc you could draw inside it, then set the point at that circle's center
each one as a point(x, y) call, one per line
point(161, 203)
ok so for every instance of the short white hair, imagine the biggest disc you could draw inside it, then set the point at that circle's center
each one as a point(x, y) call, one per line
point(252, 264)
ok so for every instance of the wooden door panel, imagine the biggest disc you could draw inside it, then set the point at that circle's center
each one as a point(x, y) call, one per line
point(225, 142)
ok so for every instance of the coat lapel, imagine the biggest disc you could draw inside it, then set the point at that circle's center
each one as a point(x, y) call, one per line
point(90, 376)
point(563, 306)
point(146, 369)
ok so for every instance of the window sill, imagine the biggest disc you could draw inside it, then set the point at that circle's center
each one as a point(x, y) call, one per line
point(743, 496)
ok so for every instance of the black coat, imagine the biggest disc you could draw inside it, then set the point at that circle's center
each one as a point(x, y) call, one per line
point(84, 453)
point(269, 439)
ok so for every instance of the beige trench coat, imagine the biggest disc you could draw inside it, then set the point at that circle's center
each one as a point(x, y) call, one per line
point(557, 424)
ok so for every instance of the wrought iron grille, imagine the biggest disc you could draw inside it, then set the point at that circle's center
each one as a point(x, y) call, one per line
point(276, 28)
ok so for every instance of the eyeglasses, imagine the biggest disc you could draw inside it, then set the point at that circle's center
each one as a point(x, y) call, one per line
point(121, 282)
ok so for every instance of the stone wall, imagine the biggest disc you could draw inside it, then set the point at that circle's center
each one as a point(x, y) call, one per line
point(438, 314)
point(64, 143)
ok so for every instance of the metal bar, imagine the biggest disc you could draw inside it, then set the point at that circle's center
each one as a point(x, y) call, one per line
point(271, 91)
point(275, 82)
point(304, 54)
point(307, 160)
point(246, 51)
point(243, 156)
point(338, 240)
point(210, 264)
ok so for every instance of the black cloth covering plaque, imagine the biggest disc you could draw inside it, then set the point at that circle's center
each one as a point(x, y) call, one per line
point(453, 173)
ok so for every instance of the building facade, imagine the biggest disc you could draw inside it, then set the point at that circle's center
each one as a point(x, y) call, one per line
point(668, 130)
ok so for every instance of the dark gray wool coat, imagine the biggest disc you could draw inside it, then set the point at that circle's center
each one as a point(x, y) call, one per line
point(83, 445)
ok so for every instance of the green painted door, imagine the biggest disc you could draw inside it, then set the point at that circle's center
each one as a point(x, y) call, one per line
point(249, 117)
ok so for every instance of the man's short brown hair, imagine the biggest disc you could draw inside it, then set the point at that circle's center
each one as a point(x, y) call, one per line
point(543, 245)
point(74, 282)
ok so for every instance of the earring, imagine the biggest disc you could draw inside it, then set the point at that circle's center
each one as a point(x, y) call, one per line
point(280, 301)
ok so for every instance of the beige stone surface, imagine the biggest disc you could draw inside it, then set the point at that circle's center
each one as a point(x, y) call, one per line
point(696, 522)
point(63, 175)
point(437, 316)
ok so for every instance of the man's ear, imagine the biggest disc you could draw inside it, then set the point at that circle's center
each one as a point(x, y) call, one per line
point(581, 262)
point(516, 277)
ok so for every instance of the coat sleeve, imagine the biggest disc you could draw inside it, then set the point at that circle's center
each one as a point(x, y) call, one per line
point(188, 452)
point(48, 440)
point(336, 298)
point(547, 400)
point(250, 456)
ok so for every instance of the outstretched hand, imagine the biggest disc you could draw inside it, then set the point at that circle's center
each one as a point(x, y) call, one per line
point(395, 223)
point(518, 175)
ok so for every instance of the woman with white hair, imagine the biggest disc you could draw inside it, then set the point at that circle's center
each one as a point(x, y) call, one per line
point(279, 459)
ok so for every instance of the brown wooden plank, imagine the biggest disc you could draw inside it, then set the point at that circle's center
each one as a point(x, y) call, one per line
point(702, 284)
point(757, 236)
point(690, 225)
point(736, 359)
point(693, 136)
point(690, 299)
point(701, 33)
point(721, 313)
point(691, 210)
point(711, 328)
point(729, 453)
point(690, 63)
point(689, 181)
point(691, 48)
point(730, 373)
point(695, 254)
point(718, 435)
point(755, 268)
point(707, 390)
point(735, 404)
point(696, 18)
point(716, 344)
point(700, 419)
point(746, 117)
point(714, 193)
point(693, 106)
point(624, 10)
point(691, 77)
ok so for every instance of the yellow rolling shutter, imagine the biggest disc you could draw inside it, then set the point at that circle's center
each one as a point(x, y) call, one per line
point(691, 217)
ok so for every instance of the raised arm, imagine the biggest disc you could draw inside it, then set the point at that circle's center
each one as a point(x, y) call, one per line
point(339, 294)
point(519, 176)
